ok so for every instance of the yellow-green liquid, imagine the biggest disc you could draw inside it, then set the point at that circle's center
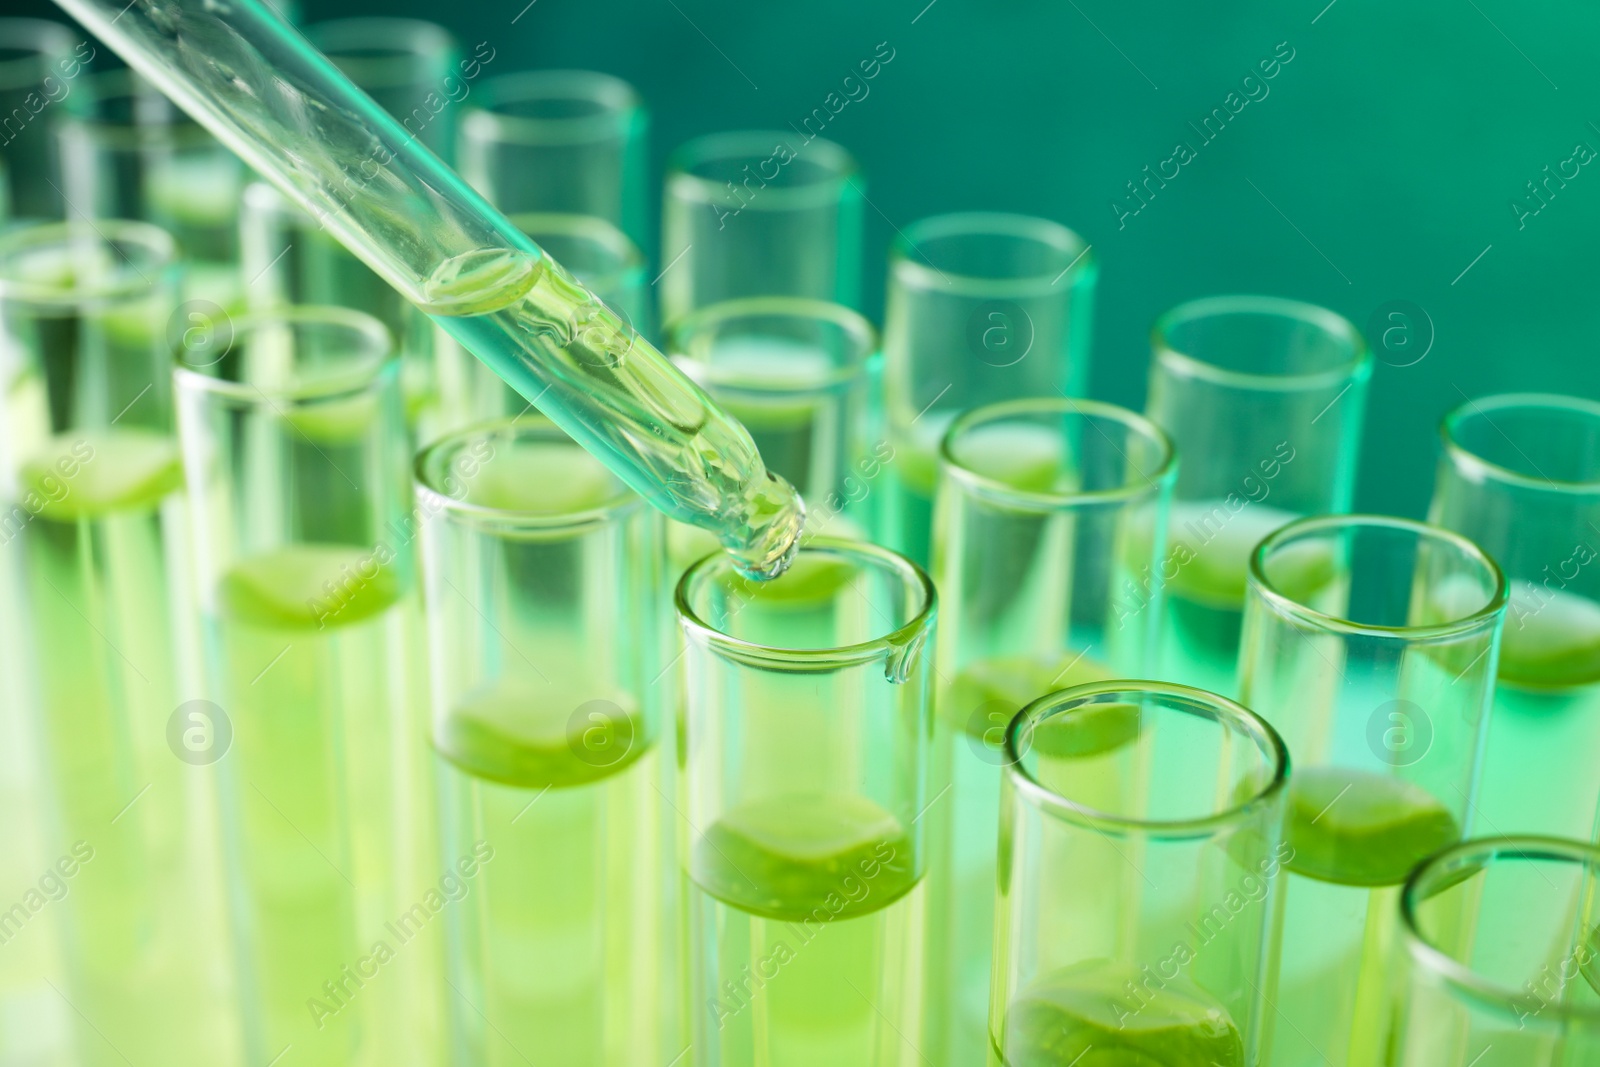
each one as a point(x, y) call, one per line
point(148, 971)
point(559, 952)
point(805, 917)
point(329, 807)
point(1355, 836)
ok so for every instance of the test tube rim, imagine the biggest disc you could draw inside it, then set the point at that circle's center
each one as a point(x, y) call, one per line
point(360, 380)
point(1358, 367)
point(908, 639)
point(1486, 616)
point(607, 234)
point(856, 326)
point(1469, 462)
point(1476, 988)
point(904, 266)
point(840, 170)
point(1194, 701)
point(622, 109)
point(409, 41)
point(132, 136)
point(32, 65)
point(1164, 475)
point(104, 232)
point(623, 502)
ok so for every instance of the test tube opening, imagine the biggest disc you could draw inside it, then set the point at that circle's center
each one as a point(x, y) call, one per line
point(1258, 342)
point(1538, 440)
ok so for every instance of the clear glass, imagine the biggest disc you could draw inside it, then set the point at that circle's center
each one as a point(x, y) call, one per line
point(760, 213)
point(41, 68)
point(981, 308)
point(805, 752)
point(294, 448)
point(138, 157)
point(1370, 644)
point(1140, 853)
point(96, 504)
point(545, 589)
point(1520, 475)
point(256, 84)
point(800, 375)
point(1499, 957)
point(603, 259)
point(1264, 399)
point(288, 259)
point(412, 69)
point(566, 142)
point(1050, 520)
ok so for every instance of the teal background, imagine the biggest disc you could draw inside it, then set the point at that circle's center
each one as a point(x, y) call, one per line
point(1381, 164)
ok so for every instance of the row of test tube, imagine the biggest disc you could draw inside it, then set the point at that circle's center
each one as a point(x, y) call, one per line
point(841, 788)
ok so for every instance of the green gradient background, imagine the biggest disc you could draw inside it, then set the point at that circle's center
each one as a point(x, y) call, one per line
point(1382, 163)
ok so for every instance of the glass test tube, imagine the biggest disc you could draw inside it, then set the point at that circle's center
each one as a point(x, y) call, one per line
point(41, 66)
point(1140, 854)
point(1370, 644)
point(800, 375)
point(1500, 957)
point(1049, 524)
point(272, 98)
point(295, 454)
point(1264, 399)
point(981, 308)
point(601, 257)
point(544, 587)
point(411, 68)
point(748, 213)
point(138, 156)
point(569, 142)
point(805, 765)
point(1520, 475)
point(88, 421)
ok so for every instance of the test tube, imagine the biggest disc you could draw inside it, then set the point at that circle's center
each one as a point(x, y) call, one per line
point(138, 156)
point(1140, 855)
point(1264, 399)
point(1370, 644)
point(805, 764)
point(411, 68)
point(568, 142)
point(544, 584)
point(1500, 959)
point(41, 66)
point(760, 213)
point(295, 453)
point(1520, 475)
point(981, 308)
point(1044, 551)
point(98, 514)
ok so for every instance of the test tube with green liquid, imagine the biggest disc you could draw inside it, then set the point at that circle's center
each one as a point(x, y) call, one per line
point(1139, 867)
point(1263, 398)
point(1370, 644)
point(87, 414)
point(805, 753)
point(1520, 475)
point(545, 593)
point(295, 453)
point(1049, 520)
point(259, 87)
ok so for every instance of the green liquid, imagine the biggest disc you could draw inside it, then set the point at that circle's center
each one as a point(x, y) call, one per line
point(1356, 836)
point(328, 803)
point(143, 916)
point(806, 915)
point(1085, 1016)
point(619, 398)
